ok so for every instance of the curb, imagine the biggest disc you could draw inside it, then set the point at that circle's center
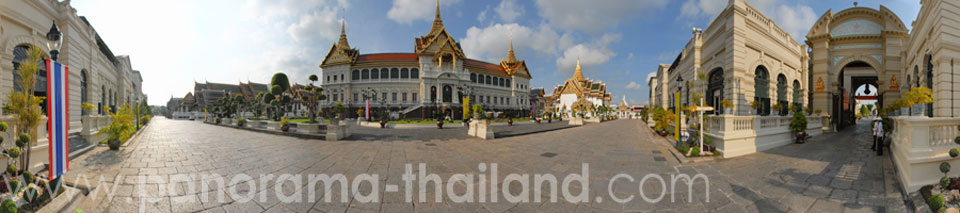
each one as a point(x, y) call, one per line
point(290, 134)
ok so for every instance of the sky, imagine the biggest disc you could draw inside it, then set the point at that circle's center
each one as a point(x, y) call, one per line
point(175, 43)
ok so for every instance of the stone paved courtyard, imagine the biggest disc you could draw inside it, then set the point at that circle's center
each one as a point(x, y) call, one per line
point(832, 173)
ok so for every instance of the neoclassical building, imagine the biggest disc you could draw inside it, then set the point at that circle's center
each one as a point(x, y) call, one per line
point(743, 57)
point(434, 78)
point(96, 76)
point(851, 48)
point(575, 89)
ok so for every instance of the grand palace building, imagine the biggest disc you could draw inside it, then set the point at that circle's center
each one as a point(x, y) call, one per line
point(97, 76)
point(745, 58)
point(435, 78)
point(577, 89)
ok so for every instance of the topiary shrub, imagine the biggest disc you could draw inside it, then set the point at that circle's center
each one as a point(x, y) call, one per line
point(28, 177)
point(8, 206)
point(944, 168)
point(945, 182)
point(31, 194)
point(694, 152)
point(11, 169)
point(954, 152)
point(936, 202)
point(15, 186)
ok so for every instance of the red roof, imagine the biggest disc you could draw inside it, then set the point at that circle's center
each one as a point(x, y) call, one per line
point(482, 64)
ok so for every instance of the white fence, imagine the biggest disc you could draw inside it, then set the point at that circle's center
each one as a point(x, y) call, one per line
point(741, 135)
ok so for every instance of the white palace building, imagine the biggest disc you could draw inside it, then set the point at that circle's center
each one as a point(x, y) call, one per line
point(435, 77)
point(745, 58)
point(96, 76)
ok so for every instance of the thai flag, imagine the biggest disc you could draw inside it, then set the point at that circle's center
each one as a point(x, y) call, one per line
point(59, 117)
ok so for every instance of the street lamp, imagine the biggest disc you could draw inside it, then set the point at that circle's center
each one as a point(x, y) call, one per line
point(54, 41)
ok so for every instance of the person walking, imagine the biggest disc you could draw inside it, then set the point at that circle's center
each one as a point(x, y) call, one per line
point(878, 137)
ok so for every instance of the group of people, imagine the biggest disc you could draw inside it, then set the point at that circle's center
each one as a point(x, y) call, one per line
point(878, 137)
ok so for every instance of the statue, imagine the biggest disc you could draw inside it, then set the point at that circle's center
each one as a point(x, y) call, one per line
point(819, 84)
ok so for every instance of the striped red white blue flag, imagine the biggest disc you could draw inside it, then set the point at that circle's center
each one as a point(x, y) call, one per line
point(58, 113)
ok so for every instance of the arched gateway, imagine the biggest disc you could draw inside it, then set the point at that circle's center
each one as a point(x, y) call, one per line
point(851, 48)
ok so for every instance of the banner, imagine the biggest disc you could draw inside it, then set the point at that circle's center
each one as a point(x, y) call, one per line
point(58, 113)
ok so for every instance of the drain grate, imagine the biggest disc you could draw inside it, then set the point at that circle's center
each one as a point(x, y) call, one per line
point(548, 154)
point(657, 152)
point(431, 144)
point(659, 159)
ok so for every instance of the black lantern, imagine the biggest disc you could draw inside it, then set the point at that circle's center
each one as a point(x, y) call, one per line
point(680, 83)
point(54, 41)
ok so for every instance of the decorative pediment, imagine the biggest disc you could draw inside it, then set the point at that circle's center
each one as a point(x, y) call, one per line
point(337, 56)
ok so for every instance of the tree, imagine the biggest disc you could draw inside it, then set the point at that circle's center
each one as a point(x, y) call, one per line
point(23, 103)
point(279, 84)
point(312, 95)
point(864, 111)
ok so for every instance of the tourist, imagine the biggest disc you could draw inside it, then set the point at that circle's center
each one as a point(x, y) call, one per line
point(878, 137)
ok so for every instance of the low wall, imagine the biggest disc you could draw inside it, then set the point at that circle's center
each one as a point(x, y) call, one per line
point(918, 146)
point(741, 135)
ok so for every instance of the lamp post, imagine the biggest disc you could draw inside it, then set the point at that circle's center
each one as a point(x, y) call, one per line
point(54, 41)
point(676, 134)
point(368, 93)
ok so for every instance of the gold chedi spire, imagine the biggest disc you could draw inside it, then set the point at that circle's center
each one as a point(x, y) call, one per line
point(511, 58)
point(343, 44)
point(578, 74)
point(437, 21)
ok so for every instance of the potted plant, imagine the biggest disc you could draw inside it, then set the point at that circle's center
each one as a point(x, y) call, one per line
point(439, 118)
point(510, 121)
point(121, 128)
point(727, 106)
point(241, 122)
point(477, 110)
point(799, 127)
point(793, 108)
point(87, 107)
point(359, 114)
point(284, 124)
point(216, 120)
point(776, 108)
point(755, 105)
point(917, 97)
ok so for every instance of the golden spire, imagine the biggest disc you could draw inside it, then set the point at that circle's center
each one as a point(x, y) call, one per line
point(437, 22)
point(510, 57)
point(343, 32)
point(578, 74)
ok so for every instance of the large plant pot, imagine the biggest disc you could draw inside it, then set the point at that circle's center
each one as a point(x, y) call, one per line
point(509, 122)
point(918, 109)
point(549, 120)
point(439, 124)
point(114, 144)
point(383, 124)
point(285, 128)
point(801, 137)
point(663, 133)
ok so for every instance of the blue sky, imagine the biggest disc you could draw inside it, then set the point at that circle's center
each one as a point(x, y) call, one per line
point(620, 42)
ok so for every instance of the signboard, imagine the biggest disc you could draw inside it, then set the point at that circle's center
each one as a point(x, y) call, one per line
point(58, 113)
point(705, 108)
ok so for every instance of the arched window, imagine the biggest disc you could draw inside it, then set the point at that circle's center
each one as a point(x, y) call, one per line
point(715, 89)
point(916, 72)
point(404, 73)
point(473, 77)
point(103, 99)
point(384, 73)
point(782, 93)
point(501, 82)
point(355, 75)
point(480, 79)
point(508, 83)
point(488, 80)
point(341, 78)
point(394, 73)
point(929, 110)
point(433, 93)
point(83, 90)
point(414, 73)
point(365, 74)
point(761, 81)
point(374, 73)
point(797, 94)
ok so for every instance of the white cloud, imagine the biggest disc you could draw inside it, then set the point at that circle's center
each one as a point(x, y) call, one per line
point(508, 10)
point(322, 23)
point(651, 75)
point(266, 10)
point(491, 43)
point(633, 85)
point(482, 16)
point(589, 58)
point(593, 17)
point(795, 20)
point(407, 11)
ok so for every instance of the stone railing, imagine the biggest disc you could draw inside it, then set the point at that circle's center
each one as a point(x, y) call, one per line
point(92, 124)
point(918, 145)
point(741, 135)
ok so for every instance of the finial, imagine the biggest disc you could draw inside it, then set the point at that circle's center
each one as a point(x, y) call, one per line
point(854, 4)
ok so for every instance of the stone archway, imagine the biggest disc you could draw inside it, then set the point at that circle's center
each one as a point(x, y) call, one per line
point(851, 76)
